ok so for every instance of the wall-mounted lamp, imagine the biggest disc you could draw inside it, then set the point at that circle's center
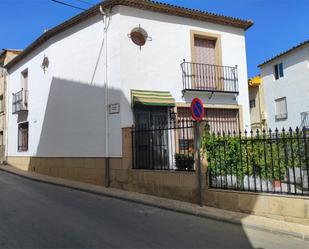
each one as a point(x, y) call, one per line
point(45, 63)
point(173, 114)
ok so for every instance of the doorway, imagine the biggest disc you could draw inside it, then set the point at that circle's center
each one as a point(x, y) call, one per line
point(151, 138)
point(205, 63)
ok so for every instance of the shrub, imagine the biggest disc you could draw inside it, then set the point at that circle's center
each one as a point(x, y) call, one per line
point(265, 155)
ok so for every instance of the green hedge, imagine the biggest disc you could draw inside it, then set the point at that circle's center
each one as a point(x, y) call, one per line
point(264, 154)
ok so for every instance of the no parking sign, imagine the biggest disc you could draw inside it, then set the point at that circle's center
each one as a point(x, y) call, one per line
point(197, 109)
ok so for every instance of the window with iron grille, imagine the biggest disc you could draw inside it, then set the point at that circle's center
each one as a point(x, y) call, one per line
point(25, 85)
point(23, 135)
point(219, 120)
point(184, 144)
point(281, 109)
point(24, 79)
point(252, 103)
point(1, 104)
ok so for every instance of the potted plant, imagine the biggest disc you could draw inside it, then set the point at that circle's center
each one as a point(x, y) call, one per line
point(279, 172)
point(184, 162)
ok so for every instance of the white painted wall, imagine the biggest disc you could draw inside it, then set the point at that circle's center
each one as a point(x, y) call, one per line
point(66, 104)
point(294, 86)
point(157, 65)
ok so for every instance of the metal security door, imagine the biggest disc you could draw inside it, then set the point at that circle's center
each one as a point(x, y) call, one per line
point(151, 140)
point(159, 141)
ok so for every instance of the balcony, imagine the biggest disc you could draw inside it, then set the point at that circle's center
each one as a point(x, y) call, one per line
point(209, 78)
point(20, 102)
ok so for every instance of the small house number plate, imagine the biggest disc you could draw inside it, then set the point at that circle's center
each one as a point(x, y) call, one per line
point(114, 108)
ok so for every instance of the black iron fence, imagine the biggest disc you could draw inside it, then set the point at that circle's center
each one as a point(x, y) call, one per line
point(261, 161)
point(212, 78)
point(164, 146)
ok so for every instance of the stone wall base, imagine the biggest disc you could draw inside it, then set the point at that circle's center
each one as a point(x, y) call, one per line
point(288, 208)
point(181, 186)
point(88, 170)
point(169, 184)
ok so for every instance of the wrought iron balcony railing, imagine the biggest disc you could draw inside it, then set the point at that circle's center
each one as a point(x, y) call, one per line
point(20, 102)
point(209, 78)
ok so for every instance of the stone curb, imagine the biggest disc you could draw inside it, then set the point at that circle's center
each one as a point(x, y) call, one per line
point(163, 203)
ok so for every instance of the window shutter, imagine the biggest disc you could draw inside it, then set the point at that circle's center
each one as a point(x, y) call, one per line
point(281, 108)
point(281, 70)
point(276, 72)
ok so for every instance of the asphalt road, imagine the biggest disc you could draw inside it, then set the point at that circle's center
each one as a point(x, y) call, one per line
point(38, 215)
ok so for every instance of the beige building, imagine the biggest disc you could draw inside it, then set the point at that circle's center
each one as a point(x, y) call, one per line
point(6, 55)
point(258, 114)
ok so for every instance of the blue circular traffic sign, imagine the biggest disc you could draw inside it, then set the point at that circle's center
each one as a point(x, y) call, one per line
point(197, 109)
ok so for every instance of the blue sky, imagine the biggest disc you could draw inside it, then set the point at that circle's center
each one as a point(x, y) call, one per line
point(278, 24)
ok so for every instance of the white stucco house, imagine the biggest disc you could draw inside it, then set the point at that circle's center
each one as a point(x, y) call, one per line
point(285, 80)
point(74, 89)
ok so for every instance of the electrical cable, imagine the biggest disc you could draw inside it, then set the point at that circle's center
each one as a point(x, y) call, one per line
point(85, 2)
point(66, 4)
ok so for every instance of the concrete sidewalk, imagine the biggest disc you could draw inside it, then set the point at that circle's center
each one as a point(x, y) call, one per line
point(246, 220)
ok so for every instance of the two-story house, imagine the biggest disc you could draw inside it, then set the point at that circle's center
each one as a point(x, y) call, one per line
point(6, 55)
point(123, 62)
point(285, 80)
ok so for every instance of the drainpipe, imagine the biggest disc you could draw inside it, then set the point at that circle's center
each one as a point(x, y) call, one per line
point(6, 122)
point(3, 74)
point(262, 122)
point(107, 159)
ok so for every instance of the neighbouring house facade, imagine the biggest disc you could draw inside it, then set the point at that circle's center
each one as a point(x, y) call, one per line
point(258, 115)
point(78, 87)
point(285, 81)
point(6, 55)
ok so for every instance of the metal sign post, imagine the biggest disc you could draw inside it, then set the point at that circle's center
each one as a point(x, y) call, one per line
point(197, 112)
point(199, 167)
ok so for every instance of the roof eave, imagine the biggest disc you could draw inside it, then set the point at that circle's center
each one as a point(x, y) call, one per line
point(184, 12)
point(141, 4)
point(284, 53)
point(50, 33)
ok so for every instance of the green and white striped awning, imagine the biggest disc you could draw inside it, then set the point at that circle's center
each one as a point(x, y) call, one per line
point(152, 98)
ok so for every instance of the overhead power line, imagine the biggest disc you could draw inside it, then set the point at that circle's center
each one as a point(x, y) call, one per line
point(69, 5)
point(85, 2)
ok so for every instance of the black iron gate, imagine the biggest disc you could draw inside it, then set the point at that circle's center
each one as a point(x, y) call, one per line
point(163, 146)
